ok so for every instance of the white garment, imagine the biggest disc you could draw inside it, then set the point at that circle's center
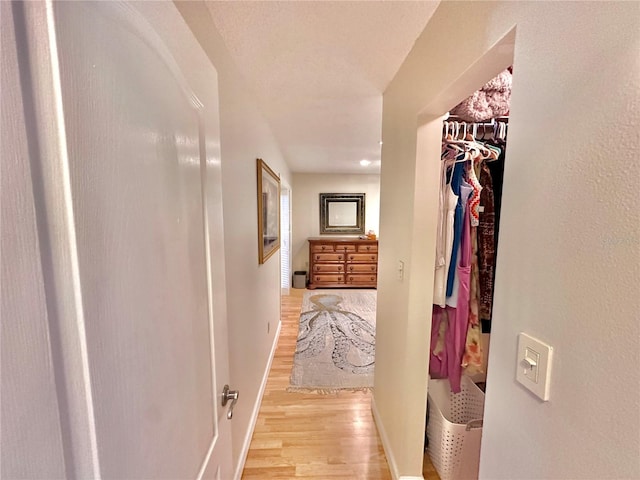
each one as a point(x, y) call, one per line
point(444, 242)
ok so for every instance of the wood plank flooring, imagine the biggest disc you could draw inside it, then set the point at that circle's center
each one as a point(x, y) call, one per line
point(301, 435)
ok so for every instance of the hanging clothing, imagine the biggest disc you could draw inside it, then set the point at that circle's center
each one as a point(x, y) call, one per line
point(486, 244)
point(465, 254)
point(474, 202)
point(465, 193)
point(438, 357)
point(473, 354)
point(456, 182)
point(497, 174)
point(444, 242)
point(459, 316)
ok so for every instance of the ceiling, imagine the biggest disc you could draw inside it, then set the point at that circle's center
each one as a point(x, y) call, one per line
point(318, 70)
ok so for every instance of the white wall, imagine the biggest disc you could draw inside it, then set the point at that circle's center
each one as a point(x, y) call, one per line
point(253, 291)
point(568, 268)
point(306, 206)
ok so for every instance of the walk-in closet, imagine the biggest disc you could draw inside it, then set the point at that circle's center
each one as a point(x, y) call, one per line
point(474, 141)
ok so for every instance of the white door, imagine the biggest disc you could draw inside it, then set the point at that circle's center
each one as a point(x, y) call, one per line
point(285, 234)
point(125, 117)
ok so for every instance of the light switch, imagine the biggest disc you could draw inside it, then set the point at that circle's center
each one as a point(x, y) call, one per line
point(400, 270)
point(534, 365)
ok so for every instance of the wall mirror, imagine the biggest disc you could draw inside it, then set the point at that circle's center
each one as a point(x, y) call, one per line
point(342, 213)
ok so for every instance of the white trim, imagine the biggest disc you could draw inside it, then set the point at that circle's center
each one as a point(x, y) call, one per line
point(393, 466)
point(256, 408)
point(207, 456)
point(207, 255)
point(58, 243)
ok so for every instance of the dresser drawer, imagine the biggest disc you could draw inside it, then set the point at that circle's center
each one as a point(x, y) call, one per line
point(362, 257)
point(327, 278)
point(329, 248)
point(322, 248)
point(362, 268)
point(362, 279)
point(328, 268)
point(367, 248)
point(328, 257)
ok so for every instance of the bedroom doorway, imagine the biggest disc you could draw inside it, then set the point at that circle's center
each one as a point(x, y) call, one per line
point(285, 235)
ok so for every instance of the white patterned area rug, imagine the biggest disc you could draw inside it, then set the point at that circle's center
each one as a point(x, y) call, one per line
point(336, 342)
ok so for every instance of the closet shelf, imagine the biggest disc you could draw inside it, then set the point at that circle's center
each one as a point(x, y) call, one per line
point(455, 118)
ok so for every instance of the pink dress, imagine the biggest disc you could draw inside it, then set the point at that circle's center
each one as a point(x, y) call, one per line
point(456, 336)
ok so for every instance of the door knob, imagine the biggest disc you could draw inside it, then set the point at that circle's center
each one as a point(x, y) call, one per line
point(229, 395)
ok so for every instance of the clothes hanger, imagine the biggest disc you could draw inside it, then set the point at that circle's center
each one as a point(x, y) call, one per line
point(451, 147)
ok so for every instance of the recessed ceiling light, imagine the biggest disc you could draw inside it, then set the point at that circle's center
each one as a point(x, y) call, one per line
point(381, 142)
point(365, 163)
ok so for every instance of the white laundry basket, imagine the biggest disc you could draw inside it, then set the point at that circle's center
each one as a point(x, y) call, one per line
point(455, 428)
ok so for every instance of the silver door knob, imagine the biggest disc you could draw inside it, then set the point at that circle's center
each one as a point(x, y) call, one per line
point(229, 395)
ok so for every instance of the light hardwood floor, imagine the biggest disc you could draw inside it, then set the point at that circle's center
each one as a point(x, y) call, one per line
point(300, 435)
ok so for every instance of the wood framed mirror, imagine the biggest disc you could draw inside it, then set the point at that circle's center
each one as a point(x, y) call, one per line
point(342, 213)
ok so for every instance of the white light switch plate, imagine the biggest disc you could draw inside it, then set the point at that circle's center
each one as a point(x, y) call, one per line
point(534, 365)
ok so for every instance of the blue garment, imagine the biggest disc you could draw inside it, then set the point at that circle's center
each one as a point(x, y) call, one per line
point(465, 192)
point(456, 181)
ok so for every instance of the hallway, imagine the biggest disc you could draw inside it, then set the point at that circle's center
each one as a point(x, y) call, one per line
point(300, 435)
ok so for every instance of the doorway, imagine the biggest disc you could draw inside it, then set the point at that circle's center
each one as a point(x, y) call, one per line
point(428, 160)
point(285, 235)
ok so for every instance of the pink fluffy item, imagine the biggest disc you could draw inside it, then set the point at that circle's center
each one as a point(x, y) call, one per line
point(489, 102)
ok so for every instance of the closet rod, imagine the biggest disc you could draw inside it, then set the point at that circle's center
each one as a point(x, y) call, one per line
point(455, 118)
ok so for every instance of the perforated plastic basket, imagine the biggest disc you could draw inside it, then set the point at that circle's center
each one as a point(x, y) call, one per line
point(455, 429)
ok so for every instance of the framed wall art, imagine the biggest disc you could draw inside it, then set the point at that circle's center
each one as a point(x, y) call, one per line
point(268, 211)
point(342, 213)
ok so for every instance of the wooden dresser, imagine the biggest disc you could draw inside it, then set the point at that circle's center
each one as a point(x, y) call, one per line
point(343, 262)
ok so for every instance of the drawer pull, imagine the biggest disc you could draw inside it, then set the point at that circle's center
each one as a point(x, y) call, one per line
point(351, 257)
point(317, 257)
point(339, 268)
point(323, 247)
point(372, 257)
point(339, 257)
point(351, 268)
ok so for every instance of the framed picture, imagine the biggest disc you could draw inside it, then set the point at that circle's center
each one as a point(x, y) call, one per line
point(268, 211)
point(342, 213)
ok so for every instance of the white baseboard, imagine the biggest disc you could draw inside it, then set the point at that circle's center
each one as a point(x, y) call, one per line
point(256, 409)
point(393, 466)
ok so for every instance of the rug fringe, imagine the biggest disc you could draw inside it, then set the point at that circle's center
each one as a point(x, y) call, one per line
point(327, 391)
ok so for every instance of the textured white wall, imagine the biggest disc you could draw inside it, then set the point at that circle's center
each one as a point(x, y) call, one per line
point(568, 267)
point(253, 291)
point(306, 206)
